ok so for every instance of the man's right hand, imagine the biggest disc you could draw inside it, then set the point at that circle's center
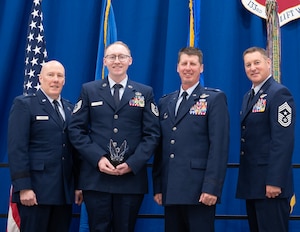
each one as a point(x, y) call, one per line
point(27, 197)
point(158, 198)
point(105, 166)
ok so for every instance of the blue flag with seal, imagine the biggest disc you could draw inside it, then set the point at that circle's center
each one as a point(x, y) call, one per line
point(108, 35)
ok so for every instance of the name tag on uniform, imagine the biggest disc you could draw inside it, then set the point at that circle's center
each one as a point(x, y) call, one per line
point(41, 118)
point(99, 103)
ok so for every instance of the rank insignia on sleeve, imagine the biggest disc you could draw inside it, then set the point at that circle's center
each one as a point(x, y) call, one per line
point(284, 115)
point(154, 109)
point(77, 106)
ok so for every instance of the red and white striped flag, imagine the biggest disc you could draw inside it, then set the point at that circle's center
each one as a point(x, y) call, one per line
point(13, 219)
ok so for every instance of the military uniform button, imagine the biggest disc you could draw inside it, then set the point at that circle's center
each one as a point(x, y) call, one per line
point(243, 127)
point(116, 130)
point(172, 156)
point(174, 128)
point(242, 140)
point(242, 153)
point(116, 116)
point(172, 141)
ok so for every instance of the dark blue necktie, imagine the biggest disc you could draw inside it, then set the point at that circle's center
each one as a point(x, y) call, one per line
point(55, 102)
point(183, 102)
point(117, 88)
point(251, 95)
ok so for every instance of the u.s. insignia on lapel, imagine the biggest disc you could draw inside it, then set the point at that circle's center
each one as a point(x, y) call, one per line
point(138, 100)
point(284, 115)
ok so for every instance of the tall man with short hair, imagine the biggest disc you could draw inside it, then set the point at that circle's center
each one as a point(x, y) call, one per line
point(115, 128)
point(190, 165)
point(265, 178)
point(40, 155)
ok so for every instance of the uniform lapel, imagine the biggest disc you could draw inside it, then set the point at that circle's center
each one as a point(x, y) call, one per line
point(247, 108)
point(127, 95)
point(172, 105)
point(47, 107)
point(190, 102)
point(106, 93)
point(67, 109)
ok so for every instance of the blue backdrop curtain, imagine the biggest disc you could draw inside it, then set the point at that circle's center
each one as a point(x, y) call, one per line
point(154, 30)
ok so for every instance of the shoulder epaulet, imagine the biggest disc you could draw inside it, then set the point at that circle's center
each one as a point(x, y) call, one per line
point(212, 89)
point(27, 96)
point(67, 100)
point(165, 95)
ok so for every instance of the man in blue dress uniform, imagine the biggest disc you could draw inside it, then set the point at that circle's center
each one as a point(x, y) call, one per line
point(115, 128)
point(190, 165)
point(265, 177)
point(41, 157)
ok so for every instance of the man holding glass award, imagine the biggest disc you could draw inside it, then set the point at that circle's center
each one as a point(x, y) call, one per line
point(115, 128)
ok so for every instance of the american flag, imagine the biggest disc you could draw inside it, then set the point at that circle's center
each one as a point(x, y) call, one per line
point(35, 56)
point(35, 51)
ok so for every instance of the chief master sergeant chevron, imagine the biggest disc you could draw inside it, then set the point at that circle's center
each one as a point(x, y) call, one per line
point(115, 128)
point(190, 167)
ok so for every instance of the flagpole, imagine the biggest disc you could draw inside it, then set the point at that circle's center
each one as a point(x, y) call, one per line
point(273, 38)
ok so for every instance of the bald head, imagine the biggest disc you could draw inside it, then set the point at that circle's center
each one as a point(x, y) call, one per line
point(52, 63)
point(52, 78)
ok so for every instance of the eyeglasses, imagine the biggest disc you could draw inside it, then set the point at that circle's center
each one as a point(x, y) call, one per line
point(121, 57)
